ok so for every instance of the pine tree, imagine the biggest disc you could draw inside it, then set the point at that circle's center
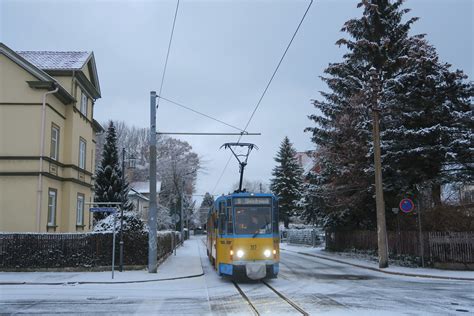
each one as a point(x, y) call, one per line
point(343, 129)
point(287, 181)
point(424, 113)
point(109, 184)
point(207, 200)
point(427, 128)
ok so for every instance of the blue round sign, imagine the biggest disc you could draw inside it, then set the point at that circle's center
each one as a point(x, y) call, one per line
point(406, 205)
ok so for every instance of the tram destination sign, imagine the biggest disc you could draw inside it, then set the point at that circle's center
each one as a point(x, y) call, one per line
point(252, 201)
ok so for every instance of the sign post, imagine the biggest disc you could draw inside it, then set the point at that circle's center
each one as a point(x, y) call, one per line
point(407, 206)
point(113, 211)
point(174, 218)
point(422, 249)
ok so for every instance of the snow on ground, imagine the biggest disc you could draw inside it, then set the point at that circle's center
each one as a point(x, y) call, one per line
point(317, 285)
point(367, 262)
point(185, 263)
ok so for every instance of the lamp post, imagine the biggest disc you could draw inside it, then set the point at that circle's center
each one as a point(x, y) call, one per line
point(380, 204)
point(152, 213)
point(182, 213)
point(131, 159)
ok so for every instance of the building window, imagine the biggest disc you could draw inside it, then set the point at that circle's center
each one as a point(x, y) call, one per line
point(52, 199)
point(83, 103)
point(82, 153)
point(80, 210)
point(54, 142)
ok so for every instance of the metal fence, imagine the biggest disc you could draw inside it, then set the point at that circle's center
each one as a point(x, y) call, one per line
point(309, 236)
point(81, 250)
point(437, 247)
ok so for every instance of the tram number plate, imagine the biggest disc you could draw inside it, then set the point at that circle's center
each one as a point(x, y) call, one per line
point(253, 247)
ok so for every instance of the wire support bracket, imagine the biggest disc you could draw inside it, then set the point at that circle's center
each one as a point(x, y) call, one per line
point(208, 134)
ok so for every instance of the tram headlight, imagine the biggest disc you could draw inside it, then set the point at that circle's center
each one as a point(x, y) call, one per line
point(267, 253)
point(240, 253)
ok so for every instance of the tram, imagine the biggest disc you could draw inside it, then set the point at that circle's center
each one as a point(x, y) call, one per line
point(242, 235)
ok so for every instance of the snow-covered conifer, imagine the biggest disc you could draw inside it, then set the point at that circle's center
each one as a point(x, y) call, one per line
point(426, 119)
point(343, 123)
point(109, 184)
point(427, 124)
point(287, 181)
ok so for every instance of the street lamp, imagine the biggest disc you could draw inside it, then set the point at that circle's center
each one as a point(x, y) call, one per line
point(182, 213)
point(380, 204)
point(152, 211)
point(132, 162)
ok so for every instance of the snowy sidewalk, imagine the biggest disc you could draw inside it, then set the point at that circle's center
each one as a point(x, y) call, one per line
point(365, 264)
point(186, 264)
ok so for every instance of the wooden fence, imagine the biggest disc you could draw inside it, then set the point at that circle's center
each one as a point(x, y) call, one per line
point(438, 247)
point(451, 247)
point(81, 250)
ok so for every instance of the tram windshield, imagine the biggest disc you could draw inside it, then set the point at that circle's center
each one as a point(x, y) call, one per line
point(253, 220)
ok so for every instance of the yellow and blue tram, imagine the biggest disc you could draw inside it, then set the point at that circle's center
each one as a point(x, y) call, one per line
point(242, 235)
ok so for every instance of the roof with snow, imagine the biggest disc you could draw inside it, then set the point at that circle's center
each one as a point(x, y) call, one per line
point(305, 161)
point(143, 187)
point(48, 60)
point(134, 193)
point(45, 65)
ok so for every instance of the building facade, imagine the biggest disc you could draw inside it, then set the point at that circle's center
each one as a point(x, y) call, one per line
point(139, 194)
point(47, 140)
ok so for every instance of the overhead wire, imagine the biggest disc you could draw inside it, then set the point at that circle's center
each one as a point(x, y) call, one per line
point(265, 91)
point(168, 53)
point(200, 113)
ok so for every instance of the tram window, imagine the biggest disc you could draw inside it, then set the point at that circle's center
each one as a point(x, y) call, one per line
point(221, 208)
point(253, 220)
point(222, 224)
point(230, 224)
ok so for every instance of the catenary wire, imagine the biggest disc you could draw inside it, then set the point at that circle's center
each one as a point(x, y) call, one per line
point(200, 113)
point(168, 52)
point(278, 66)
point(265, 90)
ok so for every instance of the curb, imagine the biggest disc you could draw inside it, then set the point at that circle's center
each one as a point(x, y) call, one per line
point(102, 282)
point(380, 270)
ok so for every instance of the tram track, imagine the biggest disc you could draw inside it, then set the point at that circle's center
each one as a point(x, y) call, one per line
point(253, 305)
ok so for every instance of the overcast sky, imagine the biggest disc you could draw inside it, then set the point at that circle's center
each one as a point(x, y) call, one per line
point(222, 56)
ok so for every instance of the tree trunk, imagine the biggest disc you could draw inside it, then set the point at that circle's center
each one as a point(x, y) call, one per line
point(436, 194)
point(286, 221)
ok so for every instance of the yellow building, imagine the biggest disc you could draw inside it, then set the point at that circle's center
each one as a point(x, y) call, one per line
point(47, 140)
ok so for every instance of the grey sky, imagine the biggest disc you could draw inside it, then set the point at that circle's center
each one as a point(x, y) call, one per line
point(222, 56)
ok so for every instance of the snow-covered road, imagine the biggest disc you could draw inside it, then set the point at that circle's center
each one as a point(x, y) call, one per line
point(318, 286)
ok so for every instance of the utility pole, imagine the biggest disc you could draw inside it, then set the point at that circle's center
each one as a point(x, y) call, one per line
point(182, 213)
point(152, 214)
point(380, 204)
point(121, 213)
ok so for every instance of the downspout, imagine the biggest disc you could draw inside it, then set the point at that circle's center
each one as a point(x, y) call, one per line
point(40, 178)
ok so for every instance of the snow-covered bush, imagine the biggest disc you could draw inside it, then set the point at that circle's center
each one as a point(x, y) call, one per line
point(132, 223)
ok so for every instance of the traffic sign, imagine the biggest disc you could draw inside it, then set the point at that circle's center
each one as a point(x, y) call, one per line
point(103, 209)
point(406, 205)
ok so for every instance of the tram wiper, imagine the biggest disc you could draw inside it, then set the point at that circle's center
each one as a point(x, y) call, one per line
point(255, 235)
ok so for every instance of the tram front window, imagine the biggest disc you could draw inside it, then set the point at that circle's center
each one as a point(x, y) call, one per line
point(253, 220)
